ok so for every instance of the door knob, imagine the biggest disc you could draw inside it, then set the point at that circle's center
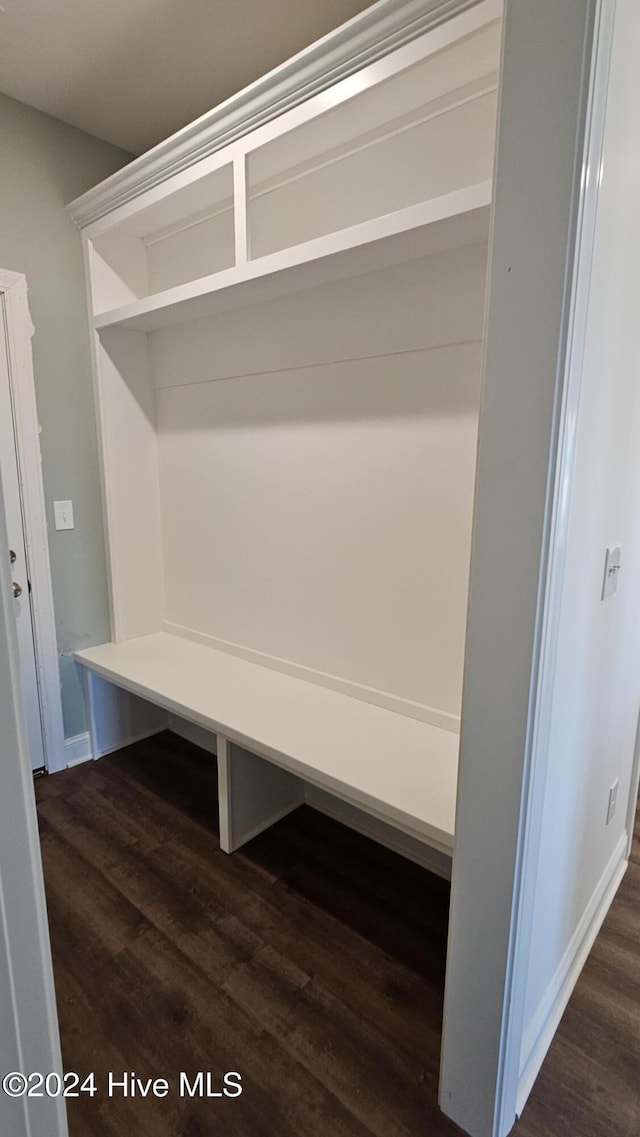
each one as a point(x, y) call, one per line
point(17, 590)
point(12, 557)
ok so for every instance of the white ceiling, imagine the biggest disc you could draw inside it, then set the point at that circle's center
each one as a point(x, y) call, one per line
point(134, 71)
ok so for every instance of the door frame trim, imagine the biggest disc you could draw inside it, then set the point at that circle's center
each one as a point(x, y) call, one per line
point(19, 331)
point(30, 1031)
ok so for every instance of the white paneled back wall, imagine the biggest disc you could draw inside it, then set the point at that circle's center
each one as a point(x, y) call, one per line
point(342, 545)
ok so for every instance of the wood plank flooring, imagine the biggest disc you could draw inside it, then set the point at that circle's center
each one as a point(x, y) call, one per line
point(312, 962)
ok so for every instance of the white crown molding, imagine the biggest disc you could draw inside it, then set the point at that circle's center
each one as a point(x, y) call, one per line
point(385, 26)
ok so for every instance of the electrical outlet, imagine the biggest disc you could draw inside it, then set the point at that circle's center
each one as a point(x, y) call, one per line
point(613, 797)
point(63, 514)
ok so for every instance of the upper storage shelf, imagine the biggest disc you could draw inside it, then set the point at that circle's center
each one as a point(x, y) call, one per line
point(184, 236)
point(391, 164)
point(421, 134)
point(460, 218)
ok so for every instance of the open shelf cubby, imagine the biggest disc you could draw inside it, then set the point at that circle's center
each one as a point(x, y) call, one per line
point(182, 237)
point(414, 138)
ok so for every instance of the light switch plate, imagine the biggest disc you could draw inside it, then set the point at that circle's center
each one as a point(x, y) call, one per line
point(611, 571)
point(63, 514)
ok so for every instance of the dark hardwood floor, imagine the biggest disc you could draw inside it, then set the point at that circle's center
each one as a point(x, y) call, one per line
point(311, 962)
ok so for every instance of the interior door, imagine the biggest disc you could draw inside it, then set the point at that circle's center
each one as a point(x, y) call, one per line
point(17, 552)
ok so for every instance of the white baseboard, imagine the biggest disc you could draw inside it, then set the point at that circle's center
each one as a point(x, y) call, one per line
point(129, 740)
point(545, 1022)
point(77, 749)
point(385, 834)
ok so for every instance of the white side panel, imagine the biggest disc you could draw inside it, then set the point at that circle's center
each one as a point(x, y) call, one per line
point(118, 718)
point(118, 270)
point(538, 188)
point(127, 424)
point(596, 692)
point(252, 794)
point(205, 739)
point(321, 515)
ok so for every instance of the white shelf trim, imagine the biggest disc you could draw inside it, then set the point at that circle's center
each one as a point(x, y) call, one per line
point(457, 204)
point(421, 711)
point(240, 217)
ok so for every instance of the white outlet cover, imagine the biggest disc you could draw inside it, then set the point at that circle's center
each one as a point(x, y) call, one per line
point(63, 514)
point(611, 571)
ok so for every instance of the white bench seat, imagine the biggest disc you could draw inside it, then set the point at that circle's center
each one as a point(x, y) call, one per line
point(393, 767)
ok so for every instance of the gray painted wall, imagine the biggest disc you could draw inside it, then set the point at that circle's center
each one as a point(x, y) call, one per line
point(44, 165)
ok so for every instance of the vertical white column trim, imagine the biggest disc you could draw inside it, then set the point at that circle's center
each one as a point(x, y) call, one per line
point(241, 209)
point(559, 527)
point(224, 804)
point(531, 324)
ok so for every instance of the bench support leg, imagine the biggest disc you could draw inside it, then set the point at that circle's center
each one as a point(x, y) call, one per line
point(253, 794)
point(116, 717)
